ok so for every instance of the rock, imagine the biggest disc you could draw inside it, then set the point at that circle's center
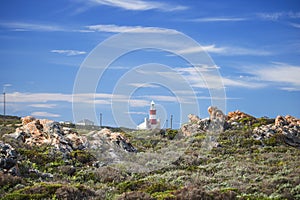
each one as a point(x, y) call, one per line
point(189, 129)
point(109, 138)
point(40, 174)
point(193, 118)
point(43, 131)
point(216, 114)
point(8, 158)
point(215, 123)
point(27, 119)
point(287, 126)
point(237, 116)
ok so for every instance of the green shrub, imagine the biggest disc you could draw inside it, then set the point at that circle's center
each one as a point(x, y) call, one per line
point(171, 133)
point(82, 156)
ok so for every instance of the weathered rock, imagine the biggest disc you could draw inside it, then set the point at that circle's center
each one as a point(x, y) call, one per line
point(27, 119)
point(193, 119)
point(288, 126)
point(237, 116)
point(215, 123)
point(189, 129)
point(41, 132)
point(8, 157)
point(215, 113)
point(287, 120)
point(107, 137)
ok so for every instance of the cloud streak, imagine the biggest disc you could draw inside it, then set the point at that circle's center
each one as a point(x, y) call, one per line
point(138, 5)
point(44, 114)
point(68, 52)
point(279, 15)
point(285, 76)
point(219, 19)
point(226, 50)
point(112, 28)
point(21, 26)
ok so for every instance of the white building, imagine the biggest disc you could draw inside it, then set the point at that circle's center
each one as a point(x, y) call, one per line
point(85, 122)
point(152, 122)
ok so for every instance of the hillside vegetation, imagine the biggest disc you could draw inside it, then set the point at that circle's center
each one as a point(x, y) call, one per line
point(240, 166)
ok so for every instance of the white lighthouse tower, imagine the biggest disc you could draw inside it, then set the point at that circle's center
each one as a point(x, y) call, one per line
point(152, 122)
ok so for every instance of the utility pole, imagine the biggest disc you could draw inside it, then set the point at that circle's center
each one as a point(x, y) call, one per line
point(171, 121)
point(4, 104)
point(100, 120)
point(167, 123)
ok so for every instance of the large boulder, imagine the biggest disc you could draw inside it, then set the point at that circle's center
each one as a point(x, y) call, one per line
point(238, 116)
point(215, 123)
point(105, 137)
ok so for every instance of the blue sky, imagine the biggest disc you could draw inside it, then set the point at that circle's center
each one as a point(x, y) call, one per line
point(254, 44)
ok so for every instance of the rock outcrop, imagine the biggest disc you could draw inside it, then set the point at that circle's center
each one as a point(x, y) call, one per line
point(47, 132)
point(105, 137)
point(237, 116)
point(288, 126)
point(215, 123)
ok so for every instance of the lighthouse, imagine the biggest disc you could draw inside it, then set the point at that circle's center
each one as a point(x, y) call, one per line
point(152, 114)
point(152, 122)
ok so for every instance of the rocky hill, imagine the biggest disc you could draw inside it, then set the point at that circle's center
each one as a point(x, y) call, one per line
point(233, 156)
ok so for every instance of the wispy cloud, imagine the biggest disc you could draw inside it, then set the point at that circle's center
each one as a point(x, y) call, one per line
point(47, 100)
point(191, 74)
point(279, 15)
point(139, 5)
point(43, 105)
point(21, 26)
point(219, 19)
point(209, 48)
point(5, 86)
point(295, 25)
point(144, 85)
point(68, 52)
point(112, 28)
point(226, 50)
point(44, 114)
point(137, 113)
point(283, 75)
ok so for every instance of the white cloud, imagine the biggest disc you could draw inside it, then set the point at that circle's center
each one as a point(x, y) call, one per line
point(43, 105)
point(226, 50)
point(69, 52)
point(213, 81)
point(137, 113)
point(139, 5)
point(287, 76)
point(219, 19)
point(112, 28)
point(44, 114)
point(210, 48)
point(41, 99)
point(295, 25)
point(138, 103)
point(21, 26)
point(279, 15)
point(144, 85)
point(7, 85)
